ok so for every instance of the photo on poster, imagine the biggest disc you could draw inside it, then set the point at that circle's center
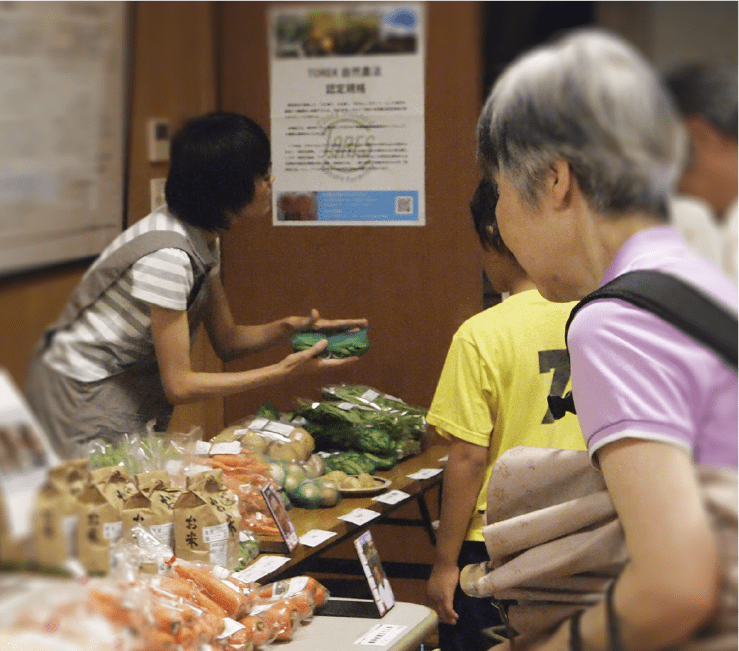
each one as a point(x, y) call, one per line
point(347, 114)
point(277, 509)
point(382, 592)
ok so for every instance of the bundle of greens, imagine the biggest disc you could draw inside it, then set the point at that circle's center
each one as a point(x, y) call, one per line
point(349, 427)
point(341, 344)
point(411, 421)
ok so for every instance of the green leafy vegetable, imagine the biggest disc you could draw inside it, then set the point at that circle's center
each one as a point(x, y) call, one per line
point(342, 344)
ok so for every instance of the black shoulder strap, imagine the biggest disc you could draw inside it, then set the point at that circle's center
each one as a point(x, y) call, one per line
point(689, 309)
point(679, 303)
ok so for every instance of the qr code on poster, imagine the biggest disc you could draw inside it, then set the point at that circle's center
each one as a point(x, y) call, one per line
point(403, 205)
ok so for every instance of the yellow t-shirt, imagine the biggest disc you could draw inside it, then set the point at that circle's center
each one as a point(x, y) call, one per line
point(500, 368)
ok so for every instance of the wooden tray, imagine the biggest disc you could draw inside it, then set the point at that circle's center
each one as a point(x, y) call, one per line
point(382, 484)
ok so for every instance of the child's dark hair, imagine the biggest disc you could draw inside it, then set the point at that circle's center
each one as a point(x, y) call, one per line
point(482, 208)
point(214, 161)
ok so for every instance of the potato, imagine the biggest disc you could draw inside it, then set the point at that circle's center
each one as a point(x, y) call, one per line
point(252, 440)
point(329, 496)
point(351, 482)
point(338, 476)
point(315, 465)
point(366, 481)
point(304, 440)
point(284, 451)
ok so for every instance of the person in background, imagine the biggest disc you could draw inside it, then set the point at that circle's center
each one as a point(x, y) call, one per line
point(492, 396)
point(585, 147)
point(706, 94)
point(119, 355)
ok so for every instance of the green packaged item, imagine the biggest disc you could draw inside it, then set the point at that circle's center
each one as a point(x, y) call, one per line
point(341, 344)
point(352, 463)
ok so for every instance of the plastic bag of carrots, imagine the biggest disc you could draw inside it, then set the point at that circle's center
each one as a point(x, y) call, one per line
point(283, 606)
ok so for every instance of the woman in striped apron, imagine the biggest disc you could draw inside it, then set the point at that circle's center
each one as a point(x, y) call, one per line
point(118, 357)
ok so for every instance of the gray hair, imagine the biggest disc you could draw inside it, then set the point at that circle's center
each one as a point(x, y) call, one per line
point(707, 89)
point(592, 100)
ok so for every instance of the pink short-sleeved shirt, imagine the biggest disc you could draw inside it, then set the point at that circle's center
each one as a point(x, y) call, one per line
point(634, 375)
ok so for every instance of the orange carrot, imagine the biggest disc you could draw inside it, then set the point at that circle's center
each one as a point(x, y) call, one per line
point(177, 586)
point(110, 606)
point(302, 603)
point(241, 639)
point(156, 640)
point(283, 618)
point(233, 602)
point(205, 602)
point(166, 618)
point(259, 629)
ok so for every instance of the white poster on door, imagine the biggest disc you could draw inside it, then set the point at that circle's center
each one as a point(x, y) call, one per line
point(347, 114)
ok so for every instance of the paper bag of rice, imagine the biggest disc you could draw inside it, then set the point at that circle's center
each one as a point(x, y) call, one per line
point(55, 516)
point(100, 524)
point(205, 521)
point(151, 507)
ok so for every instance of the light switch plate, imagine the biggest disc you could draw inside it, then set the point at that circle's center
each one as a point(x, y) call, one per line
point(159, 133)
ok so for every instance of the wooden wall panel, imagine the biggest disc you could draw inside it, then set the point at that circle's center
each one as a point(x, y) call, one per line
point(416, 285)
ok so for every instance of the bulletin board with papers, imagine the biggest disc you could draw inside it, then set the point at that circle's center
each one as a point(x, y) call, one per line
point(62, 128)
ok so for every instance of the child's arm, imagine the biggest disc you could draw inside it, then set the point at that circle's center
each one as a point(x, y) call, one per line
point(463, 477)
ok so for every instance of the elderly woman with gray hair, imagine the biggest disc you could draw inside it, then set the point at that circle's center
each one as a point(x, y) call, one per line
point(585, 147)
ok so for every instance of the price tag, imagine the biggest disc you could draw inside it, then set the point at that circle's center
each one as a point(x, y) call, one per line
point(279, 428)
point(231, 626)
point(391, 497)
point(226, 447)
point(360, 516)
point(112, 530)
point(426, 473)
point(258, 423)
point(202, 447)
point(315, 537)
point(380, 635)
point(261, 567)
point(216, 533)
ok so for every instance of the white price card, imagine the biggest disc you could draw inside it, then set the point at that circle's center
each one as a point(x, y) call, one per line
point(231, 626)
point(112, 530)
point(202, 447)
point(426, 473)
point(261, 567)
point(258, 423)
point(380, 635)
point(391, 497)
point(216, 533)
point(226, 447)
point(315, 537)
point(360, 516)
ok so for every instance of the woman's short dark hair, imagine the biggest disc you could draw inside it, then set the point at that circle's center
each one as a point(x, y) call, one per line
point(214, 160)
point(482, 208)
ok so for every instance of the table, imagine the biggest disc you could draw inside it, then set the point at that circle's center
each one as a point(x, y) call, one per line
point(305, 520)
point(344, 633)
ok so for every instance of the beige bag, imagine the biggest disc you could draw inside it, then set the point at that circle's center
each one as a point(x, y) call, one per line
point(56, 515)
point(151, 507)
point(556, 544)
point(100, 524)
point(206, 518)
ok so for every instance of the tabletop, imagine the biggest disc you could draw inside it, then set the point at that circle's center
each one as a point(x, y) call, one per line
point(307, 520)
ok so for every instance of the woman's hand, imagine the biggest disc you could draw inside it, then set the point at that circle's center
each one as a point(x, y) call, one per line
point(314, 322)
point(306, 361)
